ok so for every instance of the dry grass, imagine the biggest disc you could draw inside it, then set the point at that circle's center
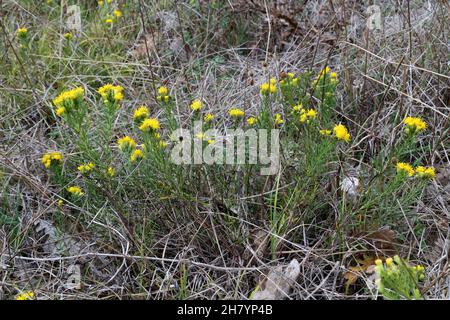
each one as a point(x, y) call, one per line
point(204, 245)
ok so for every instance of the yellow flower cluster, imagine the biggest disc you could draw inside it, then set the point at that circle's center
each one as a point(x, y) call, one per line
point(277, 119)
point(140, 114)
point(420, 171)
point(163, 94)
point(136, 155)
point(289, 79)
point(111, 93)
point(425, 172)
point(22, 32)
point(325, 132)
point(75, 190)
point(307, 115)
point(405, 168)
point(117, 13)
point(208, 117)
point(196, 105)
point(236, 113)
point(28, 295)
point(251, 121)
point(341, 132)
point(111, 172)
point(126, 143)
point(86, 168)
point(68, 36)
point(396, 278)
point(268, 88)
point(51, 158)
point(66, 100)
point(325, 74)
point(414, 125)
point(149, 124)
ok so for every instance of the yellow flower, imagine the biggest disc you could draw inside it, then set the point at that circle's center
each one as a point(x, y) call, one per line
point(378, 262)
point(85, 168)
point(333, 75)
point(109, 21)
point(414, 125)
point(211, 141)
point(140, 114)
point(236, 113)
point(273, 81)
point(60, 202)
point(406, 168)
point(307, 115)
point(111, 172)
point(68, 98)
point(111, 93)
point(297, 108)
point(277, 119)
point(136, 155)
point(311, 114)
point(126, 143)
point(100, 3)
point(163, 91)
point(267, 88)
point(294, 82)
point(51, 158)
point(162, 144)
point(77, 191)
point(196, 105)
point(117, 13)
point(389, 262)
point(341, 133)
point(150, 124)
point(68, 36)
point(60, 111)
point(291, 75)
point(28, 295)
point(22, 32)
point(251, 121)
point(208, 117)
point(425, 172)
point(325, 132)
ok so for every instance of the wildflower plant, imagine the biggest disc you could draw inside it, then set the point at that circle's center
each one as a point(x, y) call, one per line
point(397, 279)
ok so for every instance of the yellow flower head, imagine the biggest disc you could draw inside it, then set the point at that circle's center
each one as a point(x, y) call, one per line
point(117, 13)
point(307, 115)
point(414, 125)
point(140, 114)
point(378, 262)
point(60, 111)
point(126, 143)
point(51, 158)
point(111, 93)
point(389, 262)
point(136, 155)
point(405, 168)
point(86, 168)
point(111, 172)
point(28, 295)
point(267, 88)
point(200, 136)
point(68, 36)
point(208, 117)
point(100, 3)
point(76, 191)
point(425, 172)
point(325, 132)
point(108, 21)
point(341, 133)
point(22, 32)
point(69, 98)
point(277, 119)
point(273, 81)
point(196, 105)
point(236, 113)
point(162, 144)
point(297, 108)
point(251, 121)
point(333, 75)
point(149, 124)
point(163, 91)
